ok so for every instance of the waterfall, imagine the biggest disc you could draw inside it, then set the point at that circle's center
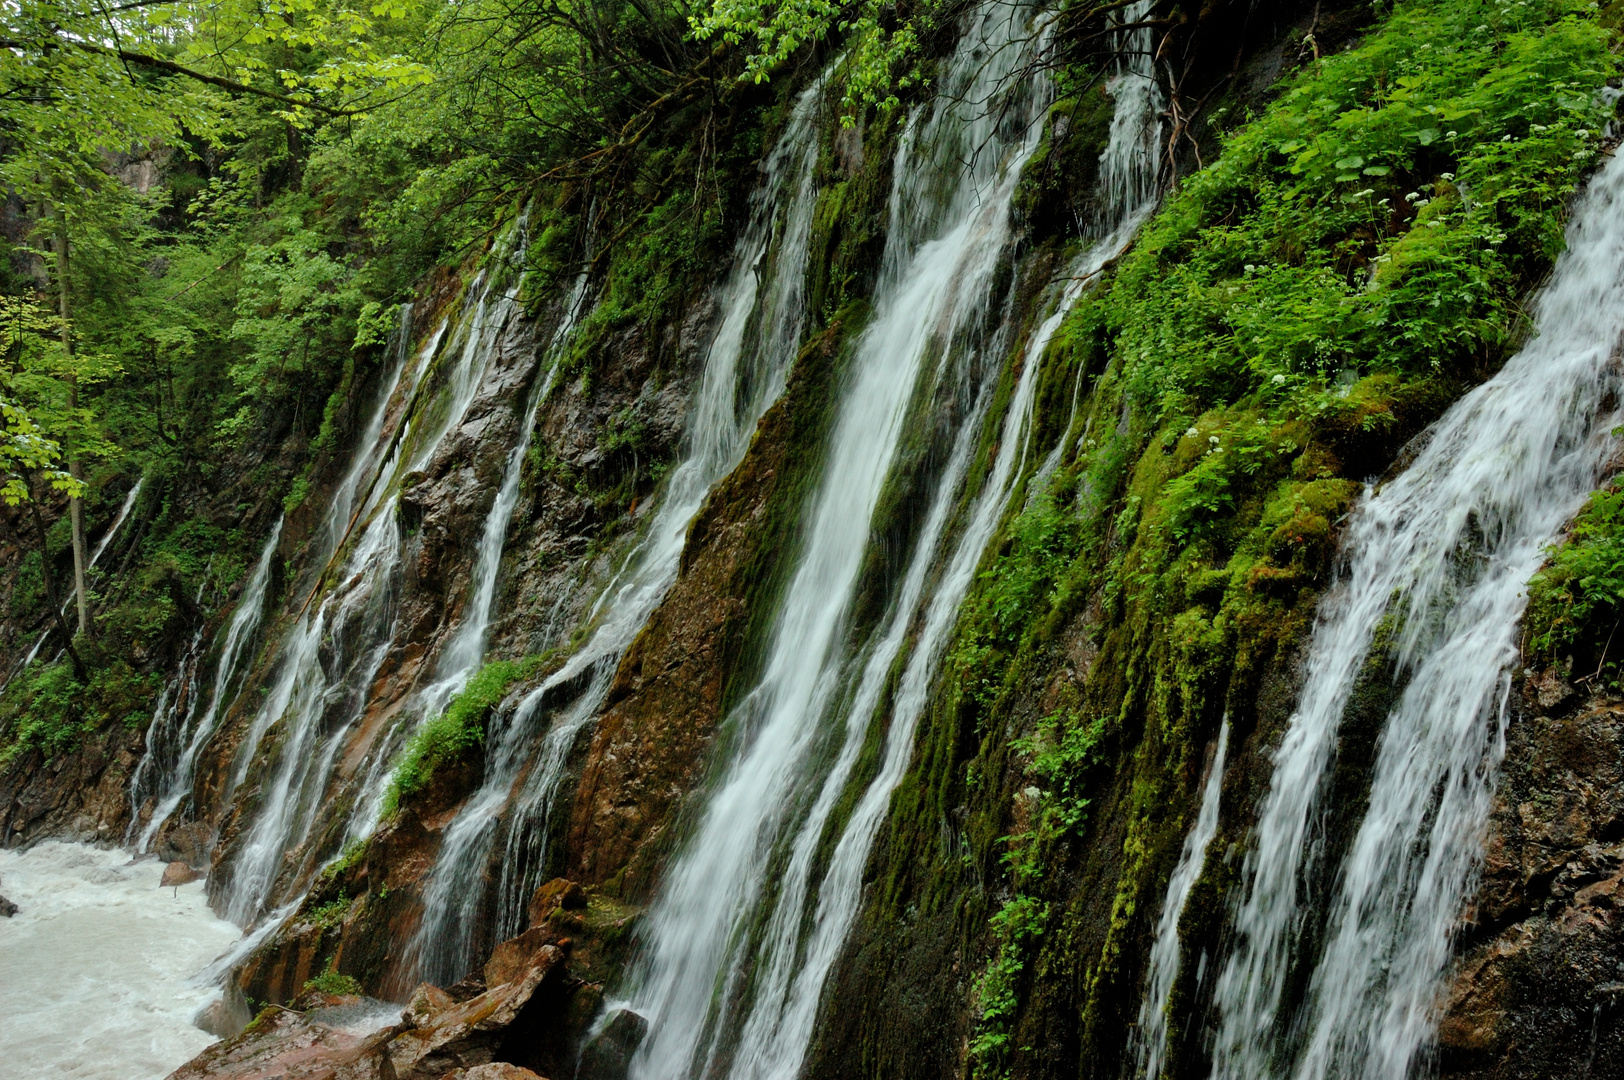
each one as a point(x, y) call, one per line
point(1443, 553)
point(333, 652)
point(1163, 966)
point(461, 656)
point(164, 735)
point(724, 975)
point(118, 521)
point(762, 304)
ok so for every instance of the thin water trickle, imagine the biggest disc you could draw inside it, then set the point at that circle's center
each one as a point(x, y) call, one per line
point(762, 304)
point(95, 557)
point(331, 655)
point(173, 741)
point(1445, 551)
point(461, 656)
point(1163, 966)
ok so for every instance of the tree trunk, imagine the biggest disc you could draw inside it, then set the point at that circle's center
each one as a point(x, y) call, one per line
point(50, 592)
point(76, 468)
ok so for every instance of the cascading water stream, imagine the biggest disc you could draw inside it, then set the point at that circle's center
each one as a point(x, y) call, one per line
point(335, 649)
point(1163, 966)
point(720, 994)
point(371, 445)
point(462, 654)
point(162, 768)
point(1444, 551)
point(763, 305)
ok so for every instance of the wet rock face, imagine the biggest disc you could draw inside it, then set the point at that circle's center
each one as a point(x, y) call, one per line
point(1538, 989)
point(282, 1044)
point(83, 795)
point(650, 745)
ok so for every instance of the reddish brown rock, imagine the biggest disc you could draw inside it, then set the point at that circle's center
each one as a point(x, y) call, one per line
point(282, 1044)
point(178, 873)
point(1538, 990)
point(649, 748)
point(512, 958)
point(496, 1070)
point(472, 1032)
point(437, 1036)
point(557, 893)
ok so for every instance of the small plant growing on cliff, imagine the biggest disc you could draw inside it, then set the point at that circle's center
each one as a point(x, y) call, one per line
point(1573, 603)
point(353, 854)
point(332, 912)
point(456, 731)
point(332, 982)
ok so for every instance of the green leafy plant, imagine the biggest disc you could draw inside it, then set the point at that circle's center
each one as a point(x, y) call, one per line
point(1577, 597)
point(458, 730)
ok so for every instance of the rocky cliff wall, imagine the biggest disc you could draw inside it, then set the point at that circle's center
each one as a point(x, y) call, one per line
point(1010, 902)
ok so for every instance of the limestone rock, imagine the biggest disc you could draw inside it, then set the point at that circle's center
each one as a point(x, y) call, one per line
point(7, 908)
point(557, 893)
point(496, 1070)
point(285, 1045)
point(426, 1002)
point(471, 1032)
point(512, 958)
point(178, 873)
point(438, 1036)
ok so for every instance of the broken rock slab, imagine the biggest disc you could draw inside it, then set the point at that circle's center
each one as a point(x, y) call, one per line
point(439, 1035)
point(284, 1044)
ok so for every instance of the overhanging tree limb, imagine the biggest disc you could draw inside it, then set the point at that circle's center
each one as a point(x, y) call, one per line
point(158, 63)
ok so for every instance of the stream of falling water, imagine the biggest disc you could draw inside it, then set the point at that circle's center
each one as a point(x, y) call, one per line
point(727, 985)
point(763, 312)
point(461, 656)
point(173, 741)
point(95, 557)
point(176, 736)
point(330, 657)
point(1163, 965)
point(1445, 551)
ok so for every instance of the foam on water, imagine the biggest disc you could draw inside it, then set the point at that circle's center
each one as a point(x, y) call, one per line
point(97, 965)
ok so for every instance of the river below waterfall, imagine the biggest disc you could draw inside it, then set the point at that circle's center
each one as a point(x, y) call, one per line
point(97, 966)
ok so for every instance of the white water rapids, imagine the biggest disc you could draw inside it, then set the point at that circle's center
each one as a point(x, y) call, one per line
point(97, 967)
point(1445, 551)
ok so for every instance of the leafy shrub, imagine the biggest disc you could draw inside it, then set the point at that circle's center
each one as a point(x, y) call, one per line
point(331, 982)
point(44, 702)
point(1577, 596)
point(449, 736)
point(331, 913)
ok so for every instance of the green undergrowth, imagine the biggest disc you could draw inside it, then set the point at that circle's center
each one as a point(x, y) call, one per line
point(1357, 255)
point(1575, 601)
point(450, 736)
point(332, 981)
point(46, 708)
